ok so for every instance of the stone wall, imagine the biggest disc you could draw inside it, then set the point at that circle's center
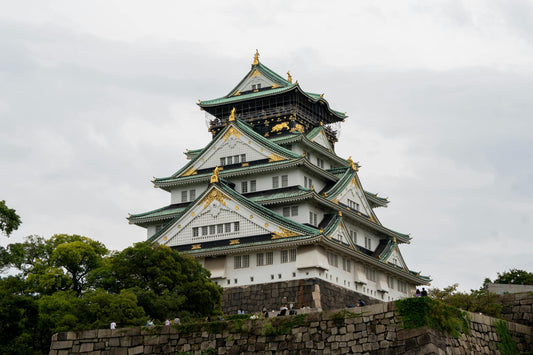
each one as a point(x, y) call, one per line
point(502, 289)
point(518, 307)
point(368, 330)
point(315, 293)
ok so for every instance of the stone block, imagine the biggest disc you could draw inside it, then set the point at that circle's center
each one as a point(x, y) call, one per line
point(64, 344)
point(136, 350)
point(86, 347)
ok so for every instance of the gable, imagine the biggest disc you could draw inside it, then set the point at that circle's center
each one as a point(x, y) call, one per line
point(320, 138)
point(396, 258)
point(254, 81)
point(217, 216)
point(353, 197)
point(340, 234)
point(232, 146)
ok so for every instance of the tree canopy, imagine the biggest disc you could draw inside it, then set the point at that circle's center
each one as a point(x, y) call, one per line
point(71, 282)
point(9, 219)
point(516, 277)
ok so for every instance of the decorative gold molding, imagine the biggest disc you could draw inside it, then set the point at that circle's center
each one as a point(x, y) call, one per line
point(274, 157)
point(255, 73)
point(256, 58)
point(275, 86)
point(191, 171)
point(280, 126)
point(237, 93)
point(289, 77)
point(298, 128)
point(284, 233)
point(232, 114)
point(212, 196)
point(234, 241)
point(196, 246)
point(232, 132)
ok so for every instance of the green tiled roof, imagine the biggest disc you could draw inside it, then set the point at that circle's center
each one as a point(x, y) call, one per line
point(274, 195)
point(166, 211)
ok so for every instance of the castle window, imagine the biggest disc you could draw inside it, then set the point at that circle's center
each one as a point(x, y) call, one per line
point(284, 180)
point(353, 205)
point(292, 255)
point(368, 243)
point(241, 261)
point(290, 211)
point(370, 273)
point(212, 229)
point(244, 187)
point(308, 182)
point(184, 196)
point(204, 230)
point(229, 160)
point(269, 258)
point(275, 182)
point(252, 185)
point(236, 227)
point(312, 218)
point(192, 194)
point(346, 265)
point(220, 228)
point(353, 236)
point(243, 158)
point(320, 163)
point(227, 227)
point(222, 161)
point(245, 260)
point(195, 232)
point(390, 282)
point(236, 159)
point(284, 256)
point(260, 258)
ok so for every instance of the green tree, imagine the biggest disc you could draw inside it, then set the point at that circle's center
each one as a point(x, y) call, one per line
point(516, 277)
point(477, 301)
point(9, 219)
point(165, 281)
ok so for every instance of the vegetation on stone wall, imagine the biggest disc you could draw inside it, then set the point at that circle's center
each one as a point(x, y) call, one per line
point(420, 311)
point(477, 301)
point(507, 346)
point(70, 282)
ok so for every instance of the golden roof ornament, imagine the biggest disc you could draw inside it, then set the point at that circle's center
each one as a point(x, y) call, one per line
point(232, 115)
point(352, 163)
point(256, 58)
point(214, 177)
point(289, 77)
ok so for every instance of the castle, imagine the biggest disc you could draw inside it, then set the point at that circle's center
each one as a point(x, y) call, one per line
point(268, 201)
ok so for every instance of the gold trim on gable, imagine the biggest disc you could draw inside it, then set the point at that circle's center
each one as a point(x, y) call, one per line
point(232, 132)
point(284, 233)
point(212, 196)
point(196, 246)
point(275, 157)
point(191, 171)
point(234, 241)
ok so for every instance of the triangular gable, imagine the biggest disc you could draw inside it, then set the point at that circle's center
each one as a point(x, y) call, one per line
point(260, 75)
point(222, 214)
point(349, 192)
point(393, 256)
point(318, 136)
point(234, 141)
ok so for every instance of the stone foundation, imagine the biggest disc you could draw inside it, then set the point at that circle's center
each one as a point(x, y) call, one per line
point(518, 307)
point(314, 293)
point(369, 330)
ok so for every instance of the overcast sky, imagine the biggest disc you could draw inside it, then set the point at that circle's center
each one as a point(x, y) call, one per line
point(97, 97)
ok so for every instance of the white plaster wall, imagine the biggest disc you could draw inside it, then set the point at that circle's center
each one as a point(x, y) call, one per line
point(175, 193)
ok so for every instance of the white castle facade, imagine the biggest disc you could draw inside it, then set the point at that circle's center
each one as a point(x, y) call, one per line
point(268, 200)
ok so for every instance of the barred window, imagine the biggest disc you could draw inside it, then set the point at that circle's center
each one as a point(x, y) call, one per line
point(227, 227)
point(195, 232)
point(243, 158)
point(284, 256)
point(192, 194)
point(275, 182)
point(244, 187)
point(184, 196)
point(229, 160)
point(212, 229)
point(222, 161)
point(236, 227)
point(252, 185)
point(269, 258)
point(237, 262)
point(294, 210)
point(236, 159)
point(245, 261)
point(204, 230)
point(260, 258)
point(220, 228)
point(292, 255)
point(284, 180)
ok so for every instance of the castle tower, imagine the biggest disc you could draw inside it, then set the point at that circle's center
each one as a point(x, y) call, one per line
point(271, 210)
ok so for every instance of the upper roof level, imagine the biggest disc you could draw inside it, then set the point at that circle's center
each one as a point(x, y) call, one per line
point(265, 99)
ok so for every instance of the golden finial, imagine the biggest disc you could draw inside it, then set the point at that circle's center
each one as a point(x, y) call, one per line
point(394, 239)
point(321, 231)
point(199, 101)
point(352, 163)
point(256, 58)
point(340, 213)
point(214, 177)
point(232, 115)
point(321, 96)
point(289, 77)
